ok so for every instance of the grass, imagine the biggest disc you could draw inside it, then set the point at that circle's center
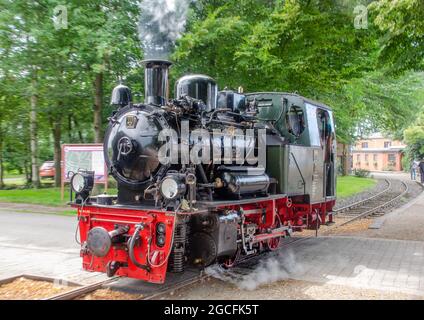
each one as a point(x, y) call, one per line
point(349, 185)
point(346, 186)
point(17, 180)
point(44, 196)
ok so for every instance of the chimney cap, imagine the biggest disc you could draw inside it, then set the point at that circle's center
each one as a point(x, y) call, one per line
point(148, 62)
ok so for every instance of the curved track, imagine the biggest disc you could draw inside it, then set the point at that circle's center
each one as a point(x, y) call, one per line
point(377, 204)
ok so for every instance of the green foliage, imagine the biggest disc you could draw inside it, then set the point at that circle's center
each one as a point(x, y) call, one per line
point(414, 138)
point(101, 36)
point(361, 173)
point(401, 23)
point(406, 162)
point(310, 47)
point(369, 76)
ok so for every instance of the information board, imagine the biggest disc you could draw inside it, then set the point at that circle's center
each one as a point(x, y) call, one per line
point(83, 157)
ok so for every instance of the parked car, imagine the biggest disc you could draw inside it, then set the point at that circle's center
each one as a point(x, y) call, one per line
point(47, 170)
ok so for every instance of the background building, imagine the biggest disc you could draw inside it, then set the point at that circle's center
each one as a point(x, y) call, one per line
point(378, 153)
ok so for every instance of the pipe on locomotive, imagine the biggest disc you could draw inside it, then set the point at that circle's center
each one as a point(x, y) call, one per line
point(156, 83)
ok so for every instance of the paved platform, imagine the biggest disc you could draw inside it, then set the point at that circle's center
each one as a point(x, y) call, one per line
point(41, 244)
point(404, 223)
point(44, 244)
point(396, 265)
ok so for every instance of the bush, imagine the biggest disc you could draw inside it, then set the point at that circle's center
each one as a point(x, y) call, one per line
point(361, 173)
point(406, 162)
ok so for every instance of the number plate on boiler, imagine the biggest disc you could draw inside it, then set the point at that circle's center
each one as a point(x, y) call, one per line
point(131, 122)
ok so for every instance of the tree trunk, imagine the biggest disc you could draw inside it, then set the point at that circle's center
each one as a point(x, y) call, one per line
point(77, 129)
point(57, 135)
point(33, 134)
point(98, 104)
point(70, 135)
point(346, 160)
point(27, 173)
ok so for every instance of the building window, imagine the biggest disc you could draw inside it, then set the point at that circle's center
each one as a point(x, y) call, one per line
point(392, 158)
point(364, 145)
point(375, 157)
point(387, 144)
point(358, 157)
point(366, 157)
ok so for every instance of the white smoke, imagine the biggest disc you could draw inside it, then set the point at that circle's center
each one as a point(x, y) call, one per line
point(162, 22)
point(269, 270)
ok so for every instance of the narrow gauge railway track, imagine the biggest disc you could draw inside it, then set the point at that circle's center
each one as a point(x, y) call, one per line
point(81, 291)
point(372, 205)
point(366, 200)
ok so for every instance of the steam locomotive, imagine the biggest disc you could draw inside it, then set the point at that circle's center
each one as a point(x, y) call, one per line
point(207, 177)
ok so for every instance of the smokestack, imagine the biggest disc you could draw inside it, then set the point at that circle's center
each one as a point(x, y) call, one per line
point(156, 85)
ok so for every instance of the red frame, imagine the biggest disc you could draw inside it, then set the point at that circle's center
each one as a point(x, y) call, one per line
point(261, 211)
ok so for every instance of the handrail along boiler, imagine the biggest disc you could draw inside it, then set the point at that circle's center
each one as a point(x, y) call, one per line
point(170, 215)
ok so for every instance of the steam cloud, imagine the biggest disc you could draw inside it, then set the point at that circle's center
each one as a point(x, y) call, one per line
point(162, 22)
point(269, 270)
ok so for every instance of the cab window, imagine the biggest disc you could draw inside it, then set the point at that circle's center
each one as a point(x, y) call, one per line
point(295, 120)
point(314, 135)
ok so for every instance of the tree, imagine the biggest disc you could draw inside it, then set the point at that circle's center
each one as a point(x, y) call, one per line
point(414, 137)
point(65, 68)
point(401, 24)
point(107, 43)
point(309, 47)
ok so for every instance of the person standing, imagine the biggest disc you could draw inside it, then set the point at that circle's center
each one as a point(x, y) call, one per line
point(414, 168)
point(421, 167)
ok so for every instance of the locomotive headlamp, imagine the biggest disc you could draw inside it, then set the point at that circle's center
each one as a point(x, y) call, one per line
point(171, 187)
point(82, 183)
point(78, 183)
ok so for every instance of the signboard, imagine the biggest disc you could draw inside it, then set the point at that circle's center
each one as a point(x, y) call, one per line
point(83, 157)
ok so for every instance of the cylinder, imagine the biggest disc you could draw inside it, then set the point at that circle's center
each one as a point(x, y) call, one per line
point(156, 83)
point(238, 183)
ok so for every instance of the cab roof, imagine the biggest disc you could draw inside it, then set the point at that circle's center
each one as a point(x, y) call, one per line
point(314, 102)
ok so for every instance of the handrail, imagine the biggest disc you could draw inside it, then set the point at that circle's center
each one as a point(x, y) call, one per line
point(300, 172)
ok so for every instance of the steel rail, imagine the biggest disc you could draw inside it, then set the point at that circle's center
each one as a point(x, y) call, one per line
point(360, 215)
point(72, 294)
point(372, 210)
point(358, 203)
point(174, 287)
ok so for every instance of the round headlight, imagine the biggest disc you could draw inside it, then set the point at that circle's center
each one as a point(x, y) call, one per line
point(78, 183)
point(172, 186)
point(169, 188)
